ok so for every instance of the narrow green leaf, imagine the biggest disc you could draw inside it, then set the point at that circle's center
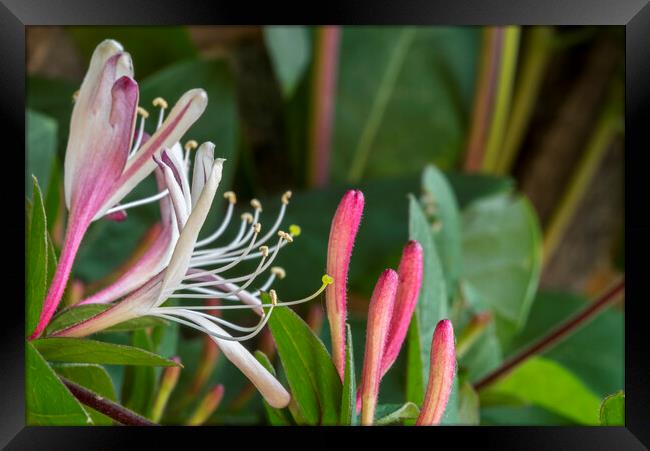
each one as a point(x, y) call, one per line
point(74, 315)
point(314, 382)
point(276, 416)
point(612, 410)
point(349, 392)
point(414, 372)
point(36, 260)
point(440, 205)
point(48, 401)
point(502, 257)
point(394, 413)
point(81, 350)
point(140, 382)
point(290, 51)
point(94, 378)
point(547, 384)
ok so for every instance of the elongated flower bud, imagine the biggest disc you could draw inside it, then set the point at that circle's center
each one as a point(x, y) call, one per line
point(379, 314)
point(341, 240)
point(441, 375)
point(408, 290)
point(207, 406)
point(167, 384)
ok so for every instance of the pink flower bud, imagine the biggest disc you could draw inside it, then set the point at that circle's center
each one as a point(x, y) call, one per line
point(341, 240)
point(441, 375)
point(379, 314)
point(408, 290)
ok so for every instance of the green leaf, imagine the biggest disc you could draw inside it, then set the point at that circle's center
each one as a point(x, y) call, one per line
point(471, 187)
point(41, 148)
point(140, 383)
point(594, 352)
point(81, 350)
point(48, 401)
point(36, 260)
point(110, 241)
point(394, 413)
point(290, 51)
point(276, 416)
point(547, 384)
point(74, 315)
point(151, 48)
point(612, 410)
point(484, 356)
point(94, 378)
point(315, 384)
point(425, 114)
point(521, 415)
point(349, 392)
point(502, 256)
point(415, 383)
point(440, 206)
point(468, 409)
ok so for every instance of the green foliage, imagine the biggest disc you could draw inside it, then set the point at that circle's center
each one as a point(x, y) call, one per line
point(48, 401)
point(502, 258)
point(612, 410)
point(96, 379)
point(315, 384)
point(41, 148)
point(290, 50)
point(36, 260)
point(75, 315)
point(424, 117)
point(276, 416)
point(140, 381)
point(81, 350)
point(547, 384)
point(349, 391)
point(395, 413)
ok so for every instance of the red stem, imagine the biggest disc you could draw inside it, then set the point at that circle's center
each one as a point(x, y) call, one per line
point(556, 335)
point(107, 407)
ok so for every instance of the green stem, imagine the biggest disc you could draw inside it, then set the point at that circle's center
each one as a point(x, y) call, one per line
point(529, 81)
point(385, 90)
point(607, 127)
point(503, 97)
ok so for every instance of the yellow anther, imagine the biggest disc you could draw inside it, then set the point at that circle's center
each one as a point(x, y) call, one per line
point(231, 196)
point(247, 217)
point(191, 145)
point(294, 230)
point(256, 204)
point(327, 280)
point(274, 297)
point(279, 272)
point(142, 112)
point(75, 95)
point(257, 228)
point(285, 197)
point(264, 250)
point(159, 101)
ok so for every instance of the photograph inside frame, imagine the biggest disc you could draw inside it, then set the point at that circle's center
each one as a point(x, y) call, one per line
point(325, 225)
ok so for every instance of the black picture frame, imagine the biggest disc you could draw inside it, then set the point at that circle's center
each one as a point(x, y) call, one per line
point(634, 15)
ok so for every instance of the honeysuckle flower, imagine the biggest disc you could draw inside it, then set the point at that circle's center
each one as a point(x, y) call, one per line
point(191, 272)
point(408, 290)
point(441, 375)
point(341, 240)
point(380, 312)
point(102, 164)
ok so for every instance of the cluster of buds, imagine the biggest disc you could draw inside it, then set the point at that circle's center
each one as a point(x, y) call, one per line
point(389, 314)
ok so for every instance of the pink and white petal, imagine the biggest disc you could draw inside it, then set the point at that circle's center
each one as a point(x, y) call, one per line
point(203, 161)
point(175, 194)
point(180, 174)
point(186, 111)
point(180, 260)
point(268, 386)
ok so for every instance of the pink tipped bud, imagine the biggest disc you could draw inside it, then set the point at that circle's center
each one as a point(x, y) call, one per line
point(379, 314)
point(441, 375)
point(408, 290)
point(341, 240)
point(168, 382)
point(208, 405)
